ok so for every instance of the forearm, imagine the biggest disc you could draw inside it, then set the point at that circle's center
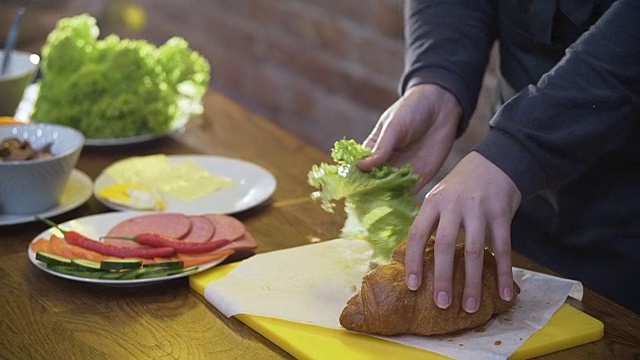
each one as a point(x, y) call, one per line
point(584, 107)
point(448, 44)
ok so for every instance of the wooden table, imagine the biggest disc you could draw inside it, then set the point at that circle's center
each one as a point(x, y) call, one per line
point(45, 317)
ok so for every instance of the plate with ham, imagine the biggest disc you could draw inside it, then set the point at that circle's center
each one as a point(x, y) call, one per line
point(130, 248)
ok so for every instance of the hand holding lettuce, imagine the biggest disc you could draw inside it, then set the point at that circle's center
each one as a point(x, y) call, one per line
point(113, 88)
point(379, 204)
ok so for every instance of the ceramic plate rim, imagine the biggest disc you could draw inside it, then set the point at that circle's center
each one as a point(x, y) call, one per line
point(107, 219)
point(82, 195)
point(204, 160)
point(177, 124)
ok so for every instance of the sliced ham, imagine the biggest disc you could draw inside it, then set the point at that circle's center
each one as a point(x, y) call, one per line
point(169, 224)
point(208, 227)
point(227, 227)
point(242, 248)
point(202, 229)
point(245, 242)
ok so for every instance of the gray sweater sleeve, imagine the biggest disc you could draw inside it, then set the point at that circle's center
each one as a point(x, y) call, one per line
point(448, 43)
point(586, 106)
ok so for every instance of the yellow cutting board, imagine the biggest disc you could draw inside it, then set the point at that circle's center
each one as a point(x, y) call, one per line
point(568, 327)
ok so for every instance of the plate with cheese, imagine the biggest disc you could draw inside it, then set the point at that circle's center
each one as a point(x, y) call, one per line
point(189, 184)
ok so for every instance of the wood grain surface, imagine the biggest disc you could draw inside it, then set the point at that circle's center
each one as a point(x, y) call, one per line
point(45, 317)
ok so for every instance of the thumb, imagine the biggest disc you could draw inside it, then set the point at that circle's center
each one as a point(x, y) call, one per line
point(371, 162)
point(380, 154)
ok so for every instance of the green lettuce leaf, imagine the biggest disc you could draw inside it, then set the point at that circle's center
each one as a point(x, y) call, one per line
point(379, 204)
point(113, 87)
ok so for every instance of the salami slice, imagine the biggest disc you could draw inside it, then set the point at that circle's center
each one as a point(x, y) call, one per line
point(242, 248)
point(170, 224)
point(202, 229)
point(227, 227)
point(245, 242)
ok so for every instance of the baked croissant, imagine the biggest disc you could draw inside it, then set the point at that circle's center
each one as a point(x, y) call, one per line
point(385, 306)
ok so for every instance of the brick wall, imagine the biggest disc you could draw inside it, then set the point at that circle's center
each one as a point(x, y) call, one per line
point(323, 69)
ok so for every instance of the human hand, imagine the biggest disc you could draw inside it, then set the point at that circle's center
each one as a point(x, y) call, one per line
point(418, 129)
point(478, 197)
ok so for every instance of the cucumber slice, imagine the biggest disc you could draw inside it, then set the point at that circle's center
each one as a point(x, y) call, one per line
point(52, 259)
point(86, 265)
point(112, 269)
point(154, 273)
point(160, 272)
point(70, 270)
point(166, 265)
point(120, 264)
point(113, 275)
point(133, 274)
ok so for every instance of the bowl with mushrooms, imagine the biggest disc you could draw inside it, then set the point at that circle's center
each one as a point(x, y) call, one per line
point(36, 161)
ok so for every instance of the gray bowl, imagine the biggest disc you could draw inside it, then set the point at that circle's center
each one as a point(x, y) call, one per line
point(33, 186)
point(21, 71)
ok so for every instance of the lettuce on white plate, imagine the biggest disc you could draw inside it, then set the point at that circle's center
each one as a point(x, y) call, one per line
point(114, 87)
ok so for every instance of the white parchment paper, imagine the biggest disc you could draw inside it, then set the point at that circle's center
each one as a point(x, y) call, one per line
point(311, 284)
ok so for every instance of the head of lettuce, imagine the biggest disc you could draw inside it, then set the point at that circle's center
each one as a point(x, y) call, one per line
point(113, 87)
point(379, 204)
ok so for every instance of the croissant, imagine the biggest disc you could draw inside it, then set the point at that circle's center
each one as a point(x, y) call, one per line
point(385, 306)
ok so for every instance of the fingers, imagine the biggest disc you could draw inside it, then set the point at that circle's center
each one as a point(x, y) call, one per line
point(373, 161)
point(372, 139)
point(473, 261)
point(419, 234)
point(382, 143)
point(444, 250)
point(501, 232)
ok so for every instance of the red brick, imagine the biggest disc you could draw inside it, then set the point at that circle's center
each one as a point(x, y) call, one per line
point(302, 26)
point(332, 37)
point(383, 58)
point(265, 12)
point(232, 33)
point(360, 11)
point(360, 88)
point(388, 18)
point(329, 120)
point(265, 85)
point(302, 102)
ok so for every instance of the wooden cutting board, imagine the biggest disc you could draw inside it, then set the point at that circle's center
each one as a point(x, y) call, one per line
point(568, 327)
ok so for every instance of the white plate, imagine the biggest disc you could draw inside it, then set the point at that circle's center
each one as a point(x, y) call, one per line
point(25, 108)
point(253, 185)
point(95, 226)
point(75, 193)
point(177, 125)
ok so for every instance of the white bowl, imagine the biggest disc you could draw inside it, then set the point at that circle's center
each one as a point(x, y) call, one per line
point(20, 72)
point(33, 186)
